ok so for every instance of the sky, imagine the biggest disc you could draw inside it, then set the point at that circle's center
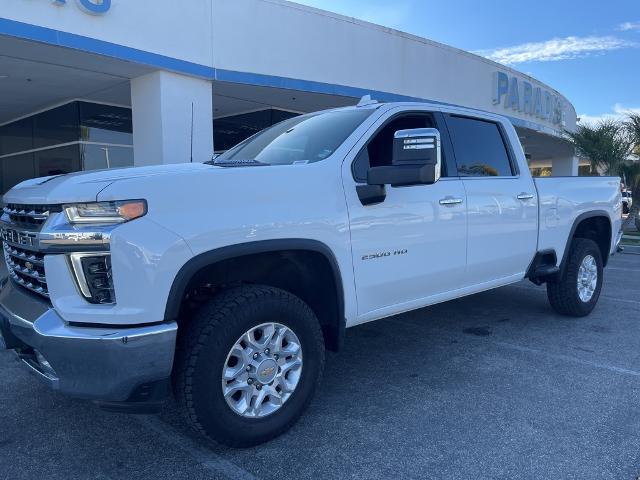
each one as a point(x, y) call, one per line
point(588, 50)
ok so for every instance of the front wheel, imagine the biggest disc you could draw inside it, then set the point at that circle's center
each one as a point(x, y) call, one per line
point(248, 365)
point(576, 293)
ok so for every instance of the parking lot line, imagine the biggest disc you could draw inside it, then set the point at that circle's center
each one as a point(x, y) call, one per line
point(203, 455)
point(622, 269)
point(606, 297)
point(568, 358)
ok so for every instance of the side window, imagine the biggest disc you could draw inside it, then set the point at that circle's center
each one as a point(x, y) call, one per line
point(479, 148)
point(379, 150)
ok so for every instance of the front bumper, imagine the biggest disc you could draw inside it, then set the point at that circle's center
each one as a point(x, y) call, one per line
point(106, 364)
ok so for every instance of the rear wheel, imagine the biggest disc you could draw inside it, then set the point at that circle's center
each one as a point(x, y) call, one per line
point(248, 365)
point(576, 293)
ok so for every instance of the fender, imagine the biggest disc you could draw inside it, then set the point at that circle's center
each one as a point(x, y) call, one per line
point(189, 269)
point(576, 222)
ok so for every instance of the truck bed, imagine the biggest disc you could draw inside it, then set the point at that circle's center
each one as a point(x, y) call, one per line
point(564, 200)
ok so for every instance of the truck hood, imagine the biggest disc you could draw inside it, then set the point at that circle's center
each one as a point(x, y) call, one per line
point(85, 186)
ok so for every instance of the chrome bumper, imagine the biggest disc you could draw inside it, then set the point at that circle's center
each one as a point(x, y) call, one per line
point(107, 364)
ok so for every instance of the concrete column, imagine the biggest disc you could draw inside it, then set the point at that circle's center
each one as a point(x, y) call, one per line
point(564, 167)
point(162, 105)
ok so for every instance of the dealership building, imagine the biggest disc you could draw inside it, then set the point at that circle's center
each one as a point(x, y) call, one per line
point(87, 84)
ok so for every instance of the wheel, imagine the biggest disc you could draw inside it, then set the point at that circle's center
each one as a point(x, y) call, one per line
point(625, 208)
point(577, 292)
point(248, 364)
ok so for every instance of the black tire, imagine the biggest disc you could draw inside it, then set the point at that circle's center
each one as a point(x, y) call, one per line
point(625, 209)
point(563, 293)
point(202, 351)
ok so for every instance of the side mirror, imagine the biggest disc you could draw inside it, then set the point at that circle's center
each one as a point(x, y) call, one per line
point(416, 159)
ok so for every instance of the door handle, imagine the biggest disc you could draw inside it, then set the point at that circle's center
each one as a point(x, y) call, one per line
point(449, 201)
point(525, 196)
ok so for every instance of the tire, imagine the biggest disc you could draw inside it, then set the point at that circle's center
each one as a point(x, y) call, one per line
point(564, 294)
point(625, 209)
point(204, 350)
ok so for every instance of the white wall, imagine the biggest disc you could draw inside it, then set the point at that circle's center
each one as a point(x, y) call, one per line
point(281, 38)
point(178, 29)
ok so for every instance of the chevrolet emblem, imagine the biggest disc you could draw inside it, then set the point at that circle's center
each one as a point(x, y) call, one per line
point(266, 372)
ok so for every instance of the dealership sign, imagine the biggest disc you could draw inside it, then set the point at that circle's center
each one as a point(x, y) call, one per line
point(522, 96)
point(92, 7)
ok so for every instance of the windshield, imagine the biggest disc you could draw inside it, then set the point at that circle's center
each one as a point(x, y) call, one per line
point(305, 139)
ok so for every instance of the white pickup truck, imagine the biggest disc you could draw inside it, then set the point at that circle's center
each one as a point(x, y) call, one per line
point(225, 282)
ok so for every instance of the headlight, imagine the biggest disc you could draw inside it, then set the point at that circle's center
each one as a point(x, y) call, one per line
point(106, 212)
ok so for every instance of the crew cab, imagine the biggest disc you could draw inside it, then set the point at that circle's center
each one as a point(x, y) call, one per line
point(224, 283)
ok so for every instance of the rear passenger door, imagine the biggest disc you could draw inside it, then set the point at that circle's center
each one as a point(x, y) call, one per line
point(502, 210)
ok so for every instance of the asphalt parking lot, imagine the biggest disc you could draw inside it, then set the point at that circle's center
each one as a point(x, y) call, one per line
point(491, 386)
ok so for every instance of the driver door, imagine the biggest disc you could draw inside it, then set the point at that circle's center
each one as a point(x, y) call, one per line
point(410, 249)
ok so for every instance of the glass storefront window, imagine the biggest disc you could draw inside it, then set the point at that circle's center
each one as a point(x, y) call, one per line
point(57, 161)
point(56, 126)
point(96, 157)
point(16, 136)
point(105, 124)
point(16, 169)
point(108, 128)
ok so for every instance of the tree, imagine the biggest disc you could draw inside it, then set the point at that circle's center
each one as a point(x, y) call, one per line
point(606, 144)
point(632, 170)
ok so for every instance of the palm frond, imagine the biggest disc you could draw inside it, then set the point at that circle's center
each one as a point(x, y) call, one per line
point(606, 144)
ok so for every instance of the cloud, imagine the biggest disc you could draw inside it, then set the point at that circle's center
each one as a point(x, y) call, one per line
point(556, 49)
point(628, 26)
point(618, 111)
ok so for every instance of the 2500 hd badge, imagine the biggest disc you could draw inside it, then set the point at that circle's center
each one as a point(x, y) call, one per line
point(375, 256)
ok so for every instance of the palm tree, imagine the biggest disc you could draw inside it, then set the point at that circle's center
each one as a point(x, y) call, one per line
point(606, 144)
point(632, 170)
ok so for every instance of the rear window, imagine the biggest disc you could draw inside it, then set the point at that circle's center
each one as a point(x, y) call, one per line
point(479, 148)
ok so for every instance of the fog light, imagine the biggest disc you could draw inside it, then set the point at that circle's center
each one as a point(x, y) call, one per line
point(45, 366)
point(93, 276)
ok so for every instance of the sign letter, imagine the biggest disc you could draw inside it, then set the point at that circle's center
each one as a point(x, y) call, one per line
point(513, 100)
point(94, 7)
point(500, 86)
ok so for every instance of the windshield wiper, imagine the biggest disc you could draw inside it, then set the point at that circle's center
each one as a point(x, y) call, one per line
point(236, 163)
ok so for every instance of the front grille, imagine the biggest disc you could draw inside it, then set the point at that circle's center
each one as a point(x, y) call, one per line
point(26, 267)
point(30, 216)
point(20, 226)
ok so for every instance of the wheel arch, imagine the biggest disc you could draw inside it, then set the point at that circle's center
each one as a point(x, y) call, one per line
point(303, 258)
point(595, 225)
